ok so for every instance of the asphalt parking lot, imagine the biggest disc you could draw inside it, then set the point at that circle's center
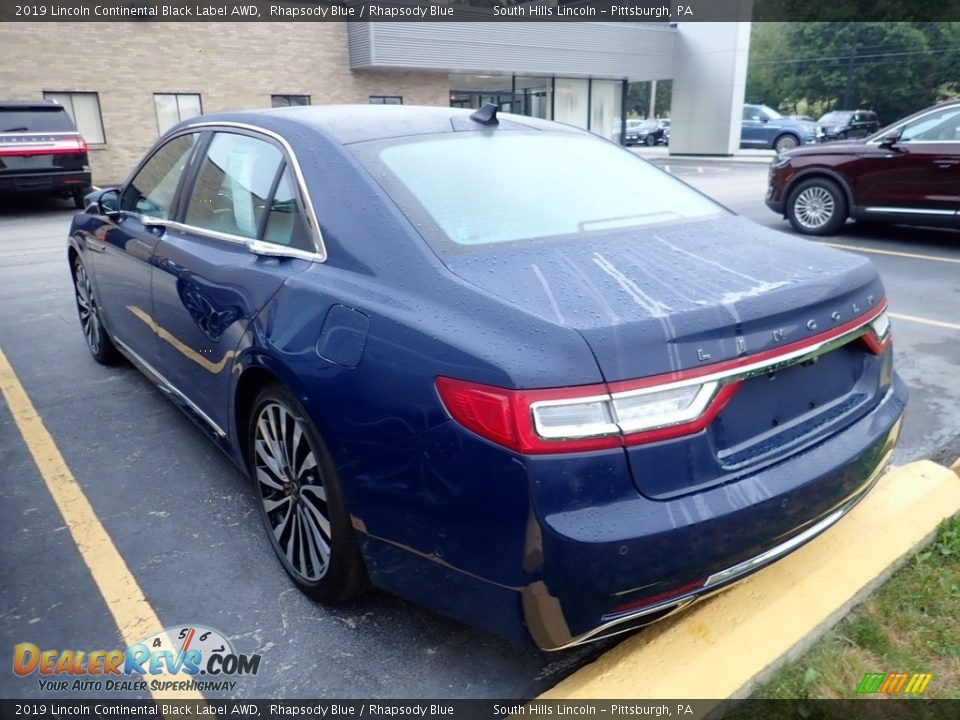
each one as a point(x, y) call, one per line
point(182, 519)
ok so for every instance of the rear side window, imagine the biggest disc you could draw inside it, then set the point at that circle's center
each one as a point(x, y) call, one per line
point(234, 183)
point(35, 121)
point(285, 225)
point(153, 188)
point(479, 188)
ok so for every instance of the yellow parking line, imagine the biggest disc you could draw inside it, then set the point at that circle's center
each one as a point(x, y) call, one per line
point(134, 616)
point(925, 321)
point(877, 251)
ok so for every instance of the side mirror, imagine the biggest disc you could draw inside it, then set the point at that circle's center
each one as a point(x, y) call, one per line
point(890, 139)
point(108, 203)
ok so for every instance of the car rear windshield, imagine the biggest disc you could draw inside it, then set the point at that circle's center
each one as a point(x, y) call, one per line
point(39, 120)
point(836, 117)
point(470, 189)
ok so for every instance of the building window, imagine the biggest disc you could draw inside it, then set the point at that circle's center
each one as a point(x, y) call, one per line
point(174, 107)
point(84, 109)
point(386, 100)
point(289, 100)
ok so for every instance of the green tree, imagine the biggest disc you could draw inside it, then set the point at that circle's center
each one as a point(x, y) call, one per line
point(894, 68)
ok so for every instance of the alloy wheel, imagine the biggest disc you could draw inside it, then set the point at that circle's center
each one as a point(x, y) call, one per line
point(292, 491)
point(814, 207)
point(87, 306)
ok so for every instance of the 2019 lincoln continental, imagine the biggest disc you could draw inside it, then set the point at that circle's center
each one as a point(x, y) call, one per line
point(495, 365)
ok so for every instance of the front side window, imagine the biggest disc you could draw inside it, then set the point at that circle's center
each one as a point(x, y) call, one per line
point(171, 108)
point(940, 126)
point(234, 185)
point(474, 189)
point(84, 109)
point(153, 188)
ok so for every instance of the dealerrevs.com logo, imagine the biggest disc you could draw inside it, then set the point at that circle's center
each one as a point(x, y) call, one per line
point(191, 657)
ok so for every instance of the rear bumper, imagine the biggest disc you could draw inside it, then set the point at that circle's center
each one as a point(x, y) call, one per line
point(614, 567)
point(34, 182)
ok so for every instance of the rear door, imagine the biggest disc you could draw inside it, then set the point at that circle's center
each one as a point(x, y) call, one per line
point(121, 251)
point(918, 179)
point(240, 234)
point(752, 127)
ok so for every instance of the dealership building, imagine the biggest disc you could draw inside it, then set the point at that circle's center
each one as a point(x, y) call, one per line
point(124, 83)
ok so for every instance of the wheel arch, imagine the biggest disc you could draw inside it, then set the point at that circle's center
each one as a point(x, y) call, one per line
point(812, 174)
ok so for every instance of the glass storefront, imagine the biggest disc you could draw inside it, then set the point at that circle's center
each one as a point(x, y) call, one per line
point(595, 105)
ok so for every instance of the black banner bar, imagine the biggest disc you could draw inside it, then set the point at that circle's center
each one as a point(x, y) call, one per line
point(657, 11)
point(869, 709)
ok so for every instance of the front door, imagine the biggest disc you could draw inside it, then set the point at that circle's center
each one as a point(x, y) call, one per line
point(125, 247)
point(918, 178)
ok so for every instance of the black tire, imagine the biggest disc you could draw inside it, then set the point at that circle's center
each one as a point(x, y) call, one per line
point(785, 142)
point(297, 489)
point(88, 310)
point(650, 141)
point(817, 207)
point(78, 196)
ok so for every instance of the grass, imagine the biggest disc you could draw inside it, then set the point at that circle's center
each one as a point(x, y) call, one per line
point(910, 624)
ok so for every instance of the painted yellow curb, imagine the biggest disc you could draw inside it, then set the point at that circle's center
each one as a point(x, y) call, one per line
point(956, 466)
point(720, 648)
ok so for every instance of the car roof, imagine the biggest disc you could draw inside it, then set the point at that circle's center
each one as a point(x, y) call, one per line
point(30, 105)
point(359, 123)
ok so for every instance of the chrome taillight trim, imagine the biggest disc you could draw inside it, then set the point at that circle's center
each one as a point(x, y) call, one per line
point(711, 381)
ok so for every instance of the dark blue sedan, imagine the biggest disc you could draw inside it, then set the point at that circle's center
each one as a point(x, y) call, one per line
point(497, 366)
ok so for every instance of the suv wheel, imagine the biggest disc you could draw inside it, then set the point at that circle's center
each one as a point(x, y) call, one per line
point(785, 142)
point(817, 207)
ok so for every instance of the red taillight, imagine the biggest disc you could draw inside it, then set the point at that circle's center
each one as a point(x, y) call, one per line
point(81, 145)
point(878, 335)
point(505, 417)
point(587, 417)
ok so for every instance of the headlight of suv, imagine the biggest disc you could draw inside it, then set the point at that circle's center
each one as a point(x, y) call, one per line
point(780, 161)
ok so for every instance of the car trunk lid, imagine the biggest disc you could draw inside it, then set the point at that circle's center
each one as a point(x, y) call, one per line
point(674, 299)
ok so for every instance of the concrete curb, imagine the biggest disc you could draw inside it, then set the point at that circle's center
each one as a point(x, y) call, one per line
point(726, 645)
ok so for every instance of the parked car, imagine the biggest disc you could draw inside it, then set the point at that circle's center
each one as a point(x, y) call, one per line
point(905, 173)
point(664, 124)
point(558, 401)
point(41, 151)
point(805, 118)
point(764, 127)
point(631, 135)
point(847, 124)
point(648, 132)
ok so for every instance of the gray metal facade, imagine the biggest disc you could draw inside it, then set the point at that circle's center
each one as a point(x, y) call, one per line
point(635, 51)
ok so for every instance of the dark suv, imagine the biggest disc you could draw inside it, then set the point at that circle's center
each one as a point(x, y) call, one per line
point(41, 151)
point(847, 124)
point(905, 173)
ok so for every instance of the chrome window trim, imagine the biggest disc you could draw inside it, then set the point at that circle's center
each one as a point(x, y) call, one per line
point(320, 254)
point(167, 386)
point(257, 247)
